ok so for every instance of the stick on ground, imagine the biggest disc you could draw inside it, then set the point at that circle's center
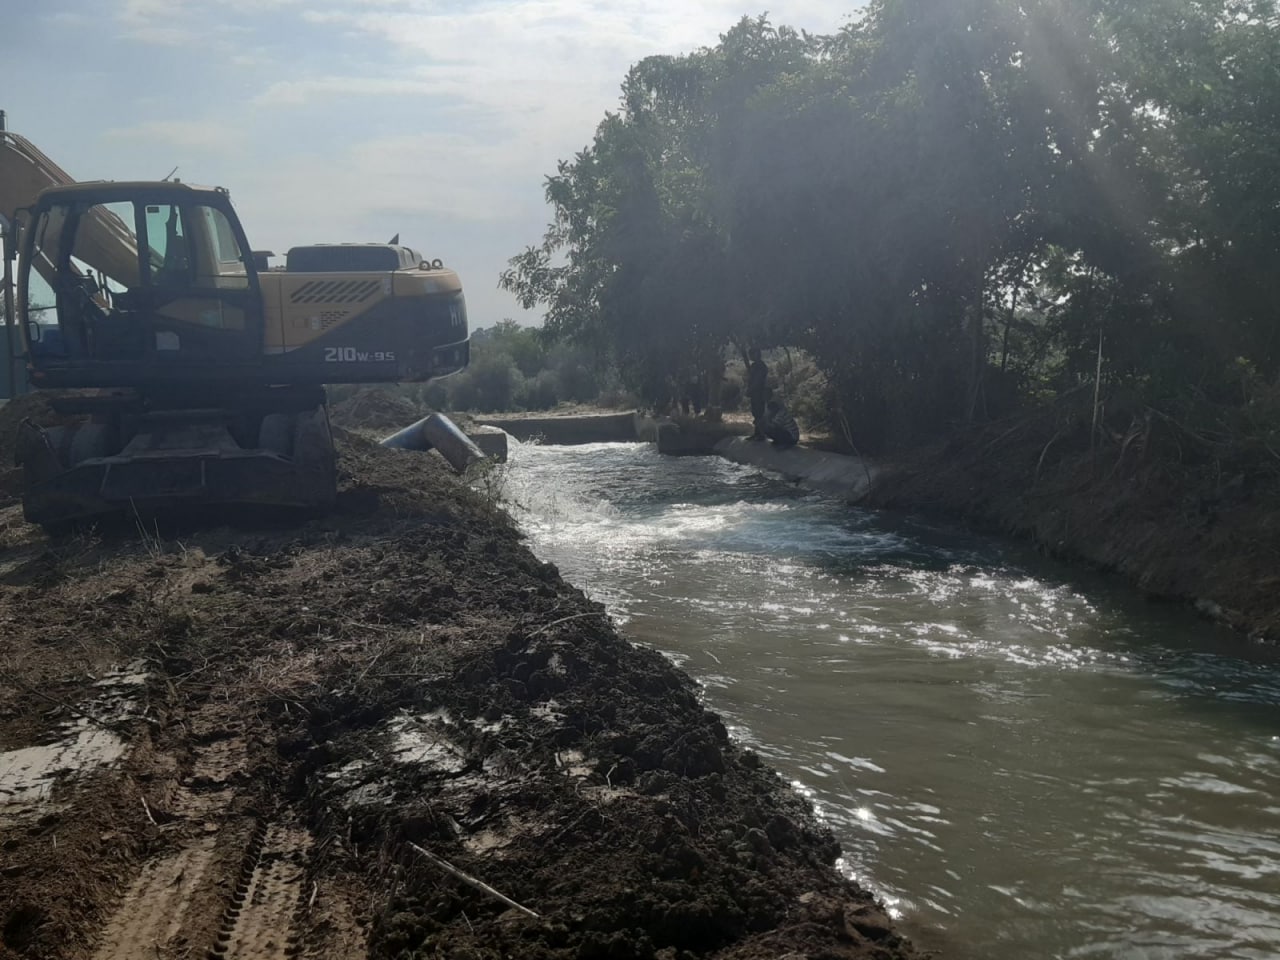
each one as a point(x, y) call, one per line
point(480, 885)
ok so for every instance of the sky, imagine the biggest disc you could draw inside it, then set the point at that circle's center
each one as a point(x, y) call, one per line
point(351, 120)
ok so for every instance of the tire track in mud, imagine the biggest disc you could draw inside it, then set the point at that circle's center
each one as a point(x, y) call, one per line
point(171, 907)
point(155, 908)
point(260, 923)
point(209, 786)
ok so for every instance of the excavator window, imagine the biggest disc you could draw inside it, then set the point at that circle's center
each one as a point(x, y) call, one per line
point(139, 281)
point(35, 287)
point(223, 267)
point(169, 246)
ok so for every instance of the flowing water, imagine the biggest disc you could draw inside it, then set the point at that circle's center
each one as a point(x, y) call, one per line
point(1021, 760)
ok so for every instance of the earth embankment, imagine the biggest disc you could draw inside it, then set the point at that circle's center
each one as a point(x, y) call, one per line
point(1153, 500)
point(232, 740)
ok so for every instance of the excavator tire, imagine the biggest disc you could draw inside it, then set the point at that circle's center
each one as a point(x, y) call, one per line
point(91, 440)
point(314, 456)
point(276, 433)
point(60, 442)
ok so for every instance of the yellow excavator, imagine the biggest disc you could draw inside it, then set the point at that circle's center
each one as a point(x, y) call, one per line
point(195, 372)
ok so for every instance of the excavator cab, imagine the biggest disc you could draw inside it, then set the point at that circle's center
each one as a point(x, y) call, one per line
point(145, 284)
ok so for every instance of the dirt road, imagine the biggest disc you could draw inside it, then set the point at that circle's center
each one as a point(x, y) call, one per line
point(230, 741)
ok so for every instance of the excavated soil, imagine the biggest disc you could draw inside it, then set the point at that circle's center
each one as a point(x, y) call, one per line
point(375, 409)
point(258, 741)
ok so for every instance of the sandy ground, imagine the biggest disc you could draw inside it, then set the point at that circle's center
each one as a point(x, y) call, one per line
point(236, 738)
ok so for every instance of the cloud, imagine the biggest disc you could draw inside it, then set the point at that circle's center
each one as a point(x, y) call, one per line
point(450, 177)
point(68, 18)
point(352, 119)
point(176, 23)
point(548, 69)
point(156, 22)
point(286, 93)
point(203, 135)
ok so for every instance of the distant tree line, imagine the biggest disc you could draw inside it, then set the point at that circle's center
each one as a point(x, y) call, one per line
point(953, 210)
point(520, 368)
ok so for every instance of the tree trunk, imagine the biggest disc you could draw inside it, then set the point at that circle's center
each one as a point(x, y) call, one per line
point(977, 353)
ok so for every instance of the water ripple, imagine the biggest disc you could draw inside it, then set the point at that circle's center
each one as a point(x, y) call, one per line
point(1020, 762)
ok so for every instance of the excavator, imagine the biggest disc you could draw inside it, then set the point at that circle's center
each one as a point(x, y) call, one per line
point(194, 373)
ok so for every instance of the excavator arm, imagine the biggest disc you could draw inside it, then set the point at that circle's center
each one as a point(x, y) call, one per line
point(24, 172)
point(106, 244)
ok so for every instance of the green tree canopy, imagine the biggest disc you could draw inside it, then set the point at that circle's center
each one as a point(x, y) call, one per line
point(948, 206)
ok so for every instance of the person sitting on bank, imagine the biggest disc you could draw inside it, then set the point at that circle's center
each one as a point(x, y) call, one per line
point(692, 391)
point(757, 391)
point(780, 426)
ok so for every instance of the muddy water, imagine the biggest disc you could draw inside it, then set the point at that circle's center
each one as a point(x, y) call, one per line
point(1022, 761)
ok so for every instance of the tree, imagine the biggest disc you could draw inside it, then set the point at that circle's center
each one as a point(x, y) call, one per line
point(936, 199)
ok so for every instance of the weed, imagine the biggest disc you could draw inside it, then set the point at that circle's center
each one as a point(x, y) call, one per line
point(489, 478)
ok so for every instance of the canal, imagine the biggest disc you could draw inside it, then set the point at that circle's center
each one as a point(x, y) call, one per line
point(1021, 759)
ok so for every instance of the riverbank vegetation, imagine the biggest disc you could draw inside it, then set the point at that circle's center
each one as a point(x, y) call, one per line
point(959, 211)
point(514, 368)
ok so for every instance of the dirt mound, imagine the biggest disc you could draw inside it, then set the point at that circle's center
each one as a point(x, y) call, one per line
point(375, 408)
point(267, 725)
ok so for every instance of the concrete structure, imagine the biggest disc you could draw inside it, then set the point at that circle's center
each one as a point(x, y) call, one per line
point(492, 442)
point(569, 430)
point(440, 433)
point(686, 438)
point(849, 478)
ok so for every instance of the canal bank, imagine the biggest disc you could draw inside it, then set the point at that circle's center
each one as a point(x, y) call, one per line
point(1174, 522)
point(241, 740)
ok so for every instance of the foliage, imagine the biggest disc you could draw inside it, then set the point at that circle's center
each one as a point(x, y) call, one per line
point(951, 209)
point(518, 368)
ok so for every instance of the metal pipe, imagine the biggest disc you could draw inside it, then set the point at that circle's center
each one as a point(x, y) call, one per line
point(440, 432)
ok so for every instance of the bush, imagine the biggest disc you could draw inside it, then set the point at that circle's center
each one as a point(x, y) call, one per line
point(490, 383)
point(542, 392)
point(804, 389)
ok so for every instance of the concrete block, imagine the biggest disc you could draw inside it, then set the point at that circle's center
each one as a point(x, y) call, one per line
point(491, 441)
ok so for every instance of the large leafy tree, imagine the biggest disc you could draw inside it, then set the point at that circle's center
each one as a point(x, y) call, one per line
point(942, 203)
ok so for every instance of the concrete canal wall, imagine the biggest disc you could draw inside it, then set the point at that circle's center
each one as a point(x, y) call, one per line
point(847, 477)
point(568, 430)
point(835, 474)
